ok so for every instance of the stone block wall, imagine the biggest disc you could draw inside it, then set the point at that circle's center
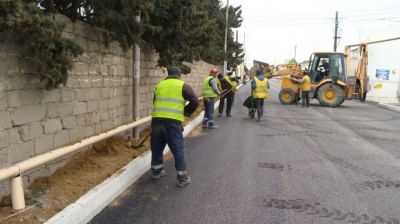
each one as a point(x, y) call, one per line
point(97, 97)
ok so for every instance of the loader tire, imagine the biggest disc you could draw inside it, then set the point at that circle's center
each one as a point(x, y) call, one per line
point(330, 95)
point(287, 96)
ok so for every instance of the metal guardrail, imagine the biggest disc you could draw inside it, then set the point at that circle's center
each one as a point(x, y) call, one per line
point(15, 171)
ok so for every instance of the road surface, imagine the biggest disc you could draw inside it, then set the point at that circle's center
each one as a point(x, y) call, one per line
point(298, 165)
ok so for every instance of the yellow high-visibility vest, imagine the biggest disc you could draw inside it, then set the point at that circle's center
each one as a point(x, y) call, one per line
point(306, 85)
point(208, 91)
point(168, 100)
point(234, 89)
point(261, 90)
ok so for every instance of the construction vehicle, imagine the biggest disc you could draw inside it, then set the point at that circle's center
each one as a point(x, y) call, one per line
point(331, 84)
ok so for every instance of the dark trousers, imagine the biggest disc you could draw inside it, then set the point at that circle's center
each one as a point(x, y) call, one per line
point(229, 102)
point(305, 98)
point(163, 132)
point(208, 111)
point(260, 107)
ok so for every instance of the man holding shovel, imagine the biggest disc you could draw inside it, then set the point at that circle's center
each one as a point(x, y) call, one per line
point(228, 90)
point(166, 127)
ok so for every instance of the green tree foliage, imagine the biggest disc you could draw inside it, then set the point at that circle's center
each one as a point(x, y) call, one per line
point(214, 53)
point(41, 37)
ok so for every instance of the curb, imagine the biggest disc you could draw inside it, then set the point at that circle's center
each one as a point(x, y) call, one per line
point(93, 202)
point(389, 107)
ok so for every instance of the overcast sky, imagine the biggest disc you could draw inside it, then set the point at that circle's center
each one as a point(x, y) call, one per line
point(273, 28)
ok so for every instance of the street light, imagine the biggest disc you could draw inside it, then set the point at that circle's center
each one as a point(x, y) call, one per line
point(226, 36)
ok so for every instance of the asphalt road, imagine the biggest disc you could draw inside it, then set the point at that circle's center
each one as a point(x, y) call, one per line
point(298, 165)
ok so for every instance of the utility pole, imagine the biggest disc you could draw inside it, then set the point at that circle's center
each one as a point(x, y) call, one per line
point(335, 38)
point(136, 87)
point(295, 52)
point(226, 36)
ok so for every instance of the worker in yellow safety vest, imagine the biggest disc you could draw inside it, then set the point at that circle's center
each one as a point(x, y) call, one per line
point(166, 127)
point(227, 89)
point(210, 92)
point(305, 86)
point(260, 88)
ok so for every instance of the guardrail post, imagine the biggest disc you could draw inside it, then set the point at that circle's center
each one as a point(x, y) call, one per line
point(17, 193)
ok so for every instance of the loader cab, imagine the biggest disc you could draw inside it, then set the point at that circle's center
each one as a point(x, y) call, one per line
point(327, 65)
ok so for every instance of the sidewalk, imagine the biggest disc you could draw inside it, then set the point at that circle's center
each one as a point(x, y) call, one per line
point(390, 106)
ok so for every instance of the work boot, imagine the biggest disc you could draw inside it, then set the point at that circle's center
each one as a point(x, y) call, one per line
point(183, 180)
point(212, 126)
point(157, 173)
point(229, 115)
point(219, 115)
point(205, 124)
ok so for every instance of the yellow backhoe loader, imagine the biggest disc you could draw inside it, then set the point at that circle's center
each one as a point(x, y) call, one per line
point(331, 82)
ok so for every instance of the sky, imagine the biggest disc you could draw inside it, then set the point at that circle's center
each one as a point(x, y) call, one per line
point(276, 30)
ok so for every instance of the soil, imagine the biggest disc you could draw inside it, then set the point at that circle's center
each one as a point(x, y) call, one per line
point(47, 196)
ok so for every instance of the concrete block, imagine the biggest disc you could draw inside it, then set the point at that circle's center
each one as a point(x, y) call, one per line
point(61, 138)
point(80, 108)
point(4, 138)
point(84, 58)
point(72, 82)
point(115, 82)
point(83, 120)
point(52, 125)
point(3, 103)
point(51, 96)
point(76, 134)
point(82, 94)
point(14, 136)
point(13, 65)
point(5, 120)
point(97, 82)
point(95, 117)
point(15, 82)
point(93, 105)
point(44, 144)
point(84, 81)
point(89, 131)
point(20, 152)
point(65, 109)
point(67, 95)
point(103, 104)
point(94, 69)
point(25, 97)
point(3, 158)
point(69, 123)
point(107, 125)
point(31, 131)
point(104, 115)
point(109, 59)
point(106, 82)
point(13, 99)
point(94, 94)
point(81, 69)
point(59, 110)
point(28, 114)
point(103, 70)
